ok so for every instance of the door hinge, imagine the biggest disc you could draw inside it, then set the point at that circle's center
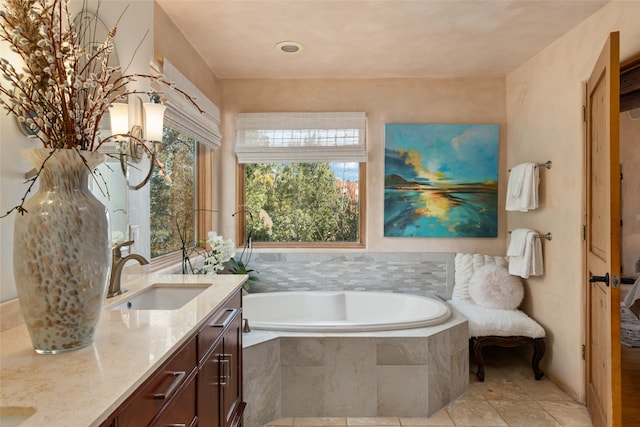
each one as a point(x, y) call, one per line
point(584, 232)
point(584, 352)
point(584, 113)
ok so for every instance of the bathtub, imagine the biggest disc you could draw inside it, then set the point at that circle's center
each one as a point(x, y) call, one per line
point(341, 311)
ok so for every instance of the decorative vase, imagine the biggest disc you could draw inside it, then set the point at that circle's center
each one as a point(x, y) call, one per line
point(62, 252)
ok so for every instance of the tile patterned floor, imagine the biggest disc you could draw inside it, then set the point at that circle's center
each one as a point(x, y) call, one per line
point(508, 397)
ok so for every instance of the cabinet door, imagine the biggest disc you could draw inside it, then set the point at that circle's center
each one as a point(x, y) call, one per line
point(209, 388)
point(231, 373)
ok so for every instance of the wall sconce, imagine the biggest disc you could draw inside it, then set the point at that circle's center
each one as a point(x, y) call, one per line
point(134, 141)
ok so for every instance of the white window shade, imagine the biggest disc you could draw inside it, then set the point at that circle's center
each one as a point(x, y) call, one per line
point(181, 114)
point(301, 137)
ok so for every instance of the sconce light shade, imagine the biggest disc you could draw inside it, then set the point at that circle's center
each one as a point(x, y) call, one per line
point(153, 121)
point(119, 117)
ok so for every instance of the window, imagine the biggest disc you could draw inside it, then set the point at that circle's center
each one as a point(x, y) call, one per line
point(181, 209)
point(173, 204)
point(302, 176)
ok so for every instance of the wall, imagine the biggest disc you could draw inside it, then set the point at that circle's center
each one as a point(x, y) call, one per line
point(630, 159)
point(470, 100)
point(544, 111)
point(137, 19)
point(170, 43)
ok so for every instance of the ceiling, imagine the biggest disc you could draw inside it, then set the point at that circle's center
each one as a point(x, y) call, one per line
point(369, 39)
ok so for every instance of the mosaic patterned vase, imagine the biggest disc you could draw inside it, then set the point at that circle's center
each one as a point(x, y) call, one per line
point(62, 254)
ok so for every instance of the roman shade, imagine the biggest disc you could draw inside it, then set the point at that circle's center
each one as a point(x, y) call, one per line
point(181, 114)
point(301, 137)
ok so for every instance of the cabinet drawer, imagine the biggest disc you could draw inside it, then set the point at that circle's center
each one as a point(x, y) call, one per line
point(214, 326)
point(160, 388)
point(182, 410)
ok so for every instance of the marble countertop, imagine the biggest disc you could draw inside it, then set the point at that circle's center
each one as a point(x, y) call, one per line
point(83, 387)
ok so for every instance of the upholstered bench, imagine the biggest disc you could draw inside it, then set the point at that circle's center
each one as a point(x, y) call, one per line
point(490, 326)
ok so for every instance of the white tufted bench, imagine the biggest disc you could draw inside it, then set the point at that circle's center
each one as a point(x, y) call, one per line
point(488, 326)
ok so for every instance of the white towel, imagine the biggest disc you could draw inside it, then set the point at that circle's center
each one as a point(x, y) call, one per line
point(522, 189)
point(530, 263)
point(518, 242)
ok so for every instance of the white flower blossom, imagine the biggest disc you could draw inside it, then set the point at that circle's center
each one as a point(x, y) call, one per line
point(218, 252)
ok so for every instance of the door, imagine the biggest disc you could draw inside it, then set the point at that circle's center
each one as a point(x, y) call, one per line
point(603, 237)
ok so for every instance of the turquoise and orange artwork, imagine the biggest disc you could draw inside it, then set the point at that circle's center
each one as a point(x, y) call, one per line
point(441, 180)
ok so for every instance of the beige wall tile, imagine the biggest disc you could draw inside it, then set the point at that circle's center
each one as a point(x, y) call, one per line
point(302, 351)
point(401, 351)
point(303, 395)
point(395, 399)
point(350, 376)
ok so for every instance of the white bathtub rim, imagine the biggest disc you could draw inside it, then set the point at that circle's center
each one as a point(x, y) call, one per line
point(259, 336)
point(442, 313)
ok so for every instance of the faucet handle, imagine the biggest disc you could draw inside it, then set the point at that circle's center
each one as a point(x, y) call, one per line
point(117, 249)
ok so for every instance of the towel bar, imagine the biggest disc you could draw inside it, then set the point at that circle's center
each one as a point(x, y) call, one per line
point(547, 236)
point(546, 164)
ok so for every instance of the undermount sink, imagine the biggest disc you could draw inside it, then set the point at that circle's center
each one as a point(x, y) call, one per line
point(13, 416)
point(163, 296)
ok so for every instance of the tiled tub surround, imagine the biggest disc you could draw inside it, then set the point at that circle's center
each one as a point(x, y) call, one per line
point(425, 273)
point(408, 373)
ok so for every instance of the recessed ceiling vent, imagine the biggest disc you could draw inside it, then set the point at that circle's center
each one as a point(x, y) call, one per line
point(290, 47)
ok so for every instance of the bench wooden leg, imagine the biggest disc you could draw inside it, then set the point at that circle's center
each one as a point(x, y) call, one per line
point(538, 353)
point(478, 343)
point(477, 352)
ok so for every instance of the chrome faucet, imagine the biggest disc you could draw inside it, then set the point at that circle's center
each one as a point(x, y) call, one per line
point(117, 265)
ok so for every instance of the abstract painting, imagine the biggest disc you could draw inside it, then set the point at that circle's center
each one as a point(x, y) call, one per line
point(441, 180)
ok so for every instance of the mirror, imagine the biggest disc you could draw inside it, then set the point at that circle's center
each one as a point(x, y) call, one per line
point(110, 186)
point(116, 200)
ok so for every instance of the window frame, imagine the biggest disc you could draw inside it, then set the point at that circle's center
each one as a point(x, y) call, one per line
point(204, 205)
point(241, 229)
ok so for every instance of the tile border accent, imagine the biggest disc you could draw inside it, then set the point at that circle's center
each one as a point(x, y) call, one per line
point(419, 273)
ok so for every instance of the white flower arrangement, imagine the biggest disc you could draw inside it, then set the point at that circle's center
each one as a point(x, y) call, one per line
point(217, 253)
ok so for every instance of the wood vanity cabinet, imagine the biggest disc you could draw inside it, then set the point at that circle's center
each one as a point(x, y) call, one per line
point(220, 367)
point(201, 383)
